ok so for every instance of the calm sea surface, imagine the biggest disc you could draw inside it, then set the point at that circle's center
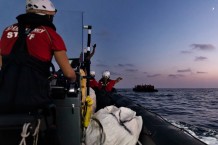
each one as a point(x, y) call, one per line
point(196, 110)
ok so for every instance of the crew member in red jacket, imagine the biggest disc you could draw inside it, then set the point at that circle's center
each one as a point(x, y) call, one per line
point(105, 87)
point(105, 83)
point(93, 82)
point(26, 51)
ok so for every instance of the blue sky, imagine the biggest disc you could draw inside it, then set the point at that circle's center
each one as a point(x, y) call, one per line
point(167, 43)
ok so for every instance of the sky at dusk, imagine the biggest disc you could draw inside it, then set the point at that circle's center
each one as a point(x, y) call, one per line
point(166, 43)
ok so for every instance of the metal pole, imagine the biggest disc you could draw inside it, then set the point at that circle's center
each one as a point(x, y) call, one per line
point(87, 61)
point(82, 41)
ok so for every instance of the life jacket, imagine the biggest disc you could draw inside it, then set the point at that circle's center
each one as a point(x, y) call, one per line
point(104, 83)
point(24, 86)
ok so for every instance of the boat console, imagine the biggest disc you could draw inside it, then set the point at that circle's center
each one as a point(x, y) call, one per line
point(67, 99)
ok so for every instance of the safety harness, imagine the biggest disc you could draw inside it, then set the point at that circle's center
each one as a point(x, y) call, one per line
point(24, 93)
point(24, 86)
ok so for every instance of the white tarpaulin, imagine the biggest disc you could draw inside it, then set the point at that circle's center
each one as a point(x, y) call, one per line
point(114, 126)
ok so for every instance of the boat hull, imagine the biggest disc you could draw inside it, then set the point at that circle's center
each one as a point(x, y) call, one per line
point(144, 90)
point(156, 130)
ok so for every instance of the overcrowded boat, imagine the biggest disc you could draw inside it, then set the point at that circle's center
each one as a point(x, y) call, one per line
point(144, 88)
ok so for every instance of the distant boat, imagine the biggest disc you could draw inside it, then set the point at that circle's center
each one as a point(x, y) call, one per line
point(144, 88)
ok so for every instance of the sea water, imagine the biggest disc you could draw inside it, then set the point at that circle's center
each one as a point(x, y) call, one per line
point(195, 110)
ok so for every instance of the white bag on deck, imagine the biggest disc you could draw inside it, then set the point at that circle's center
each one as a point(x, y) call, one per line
point(114, 126)
point(93, 96)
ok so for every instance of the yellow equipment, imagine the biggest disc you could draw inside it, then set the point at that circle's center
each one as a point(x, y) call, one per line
point(88, 111)
point(86, 101)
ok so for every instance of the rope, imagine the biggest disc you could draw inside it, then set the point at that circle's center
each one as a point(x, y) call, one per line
point(36, 133)
point(101, 131)
point(24, 133)
point(84, 135)
point(139, 142)
point(122, 122)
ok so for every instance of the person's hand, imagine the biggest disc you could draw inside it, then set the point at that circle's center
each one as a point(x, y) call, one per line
point(118, 79)
point(92, 53)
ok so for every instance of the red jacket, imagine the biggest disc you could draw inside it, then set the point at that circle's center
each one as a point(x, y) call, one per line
point(107, 86)
point(41, 42)
point(93, 83)
point(25, 70)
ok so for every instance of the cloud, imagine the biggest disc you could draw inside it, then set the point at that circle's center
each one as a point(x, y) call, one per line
point(175, 76)
point(114, 73)
point(200, 58)
point(120, 65)
point(186, 52)
point(203, 47)
point(154, 75)
point(201, 72)
point(131, 70)
point(184, 70)
point(130, 65)
point(102, 65)
point(125, 65)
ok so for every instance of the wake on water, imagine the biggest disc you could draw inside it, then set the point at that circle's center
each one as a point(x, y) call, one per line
point(210, 137)
point(193, 110)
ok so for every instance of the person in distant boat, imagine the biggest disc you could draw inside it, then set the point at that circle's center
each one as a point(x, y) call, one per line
point(93, 82)
point(26, 51)
point(105, 83)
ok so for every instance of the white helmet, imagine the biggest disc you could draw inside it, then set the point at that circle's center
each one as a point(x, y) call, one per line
point(41, 7)
point(92, 73)
point(106, 74)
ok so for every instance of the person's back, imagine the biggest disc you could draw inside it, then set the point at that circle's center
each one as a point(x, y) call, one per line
point(26, 52)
